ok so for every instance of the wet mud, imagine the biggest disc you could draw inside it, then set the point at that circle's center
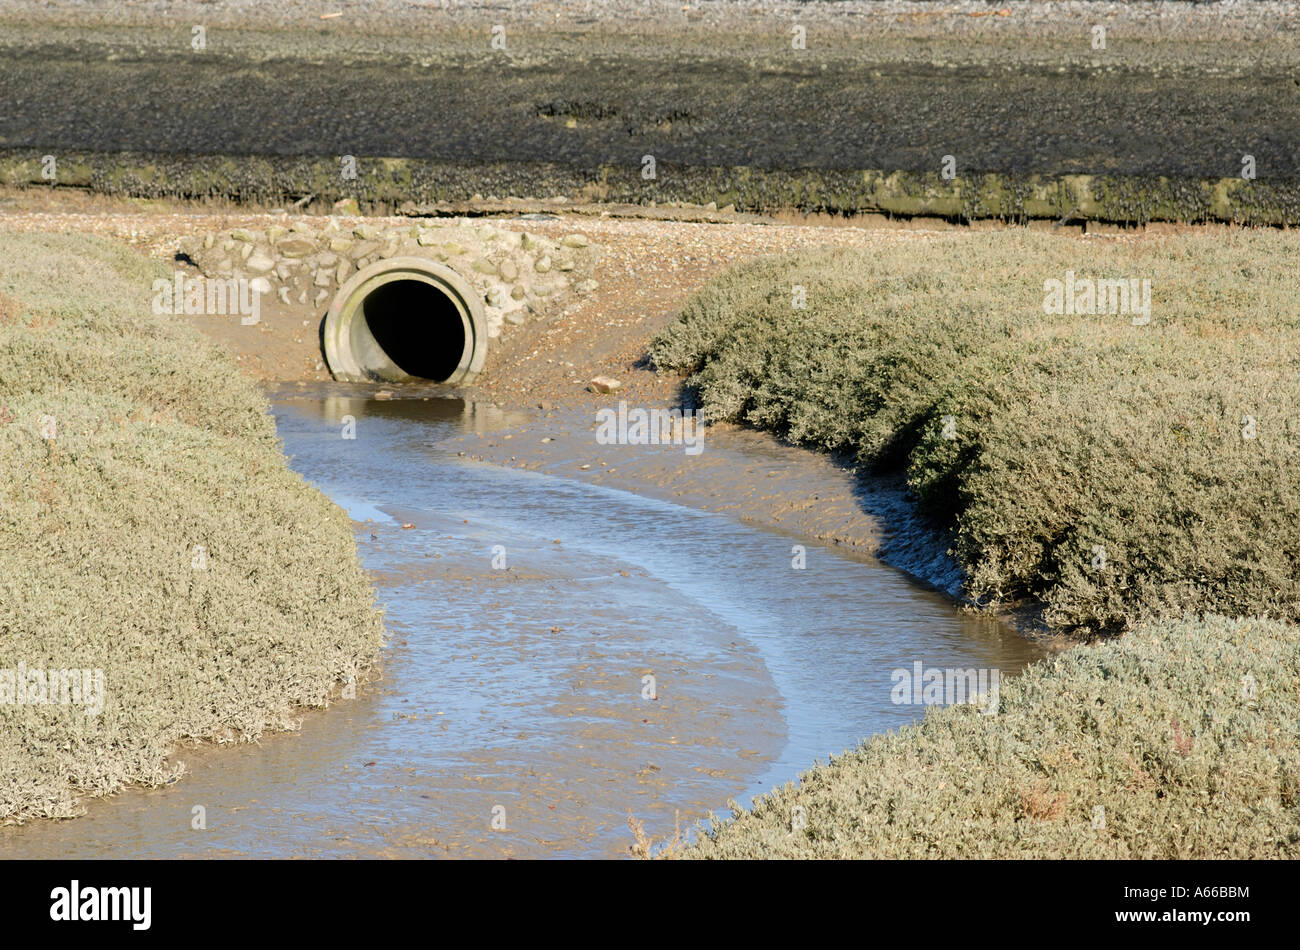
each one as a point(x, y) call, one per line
point(1039, 125)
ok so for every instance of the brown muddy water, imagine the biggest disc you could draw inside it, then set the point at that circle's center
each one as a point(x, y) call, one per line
point(513, 714)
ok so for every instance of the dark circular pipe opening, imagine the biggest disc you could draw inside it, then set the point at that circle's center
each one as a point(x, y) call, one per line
point(406, 318)
point(417, 326)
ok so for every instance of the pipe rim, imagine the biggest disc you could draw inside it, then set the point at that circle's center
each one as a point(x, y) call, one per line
point(347, 301)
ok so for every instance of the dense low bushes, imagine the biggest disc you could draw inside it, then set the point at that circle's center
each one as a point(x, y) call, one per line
point(159, 447)
point(1176, 741)
point(1115, 472)
point(1129, 477)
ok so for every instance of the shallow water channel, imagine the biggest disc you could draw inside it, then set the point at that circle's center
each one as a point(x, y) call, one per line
point(513, 714)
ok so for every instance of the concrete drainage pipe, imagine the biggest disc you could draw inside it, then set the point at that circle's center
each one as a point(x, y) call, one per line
point(405, 319)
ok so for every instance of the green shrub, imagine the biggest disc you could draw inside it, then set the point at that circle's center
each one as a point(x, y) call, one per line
point(1095, 465)
point(1176, 741)
point(160, 445)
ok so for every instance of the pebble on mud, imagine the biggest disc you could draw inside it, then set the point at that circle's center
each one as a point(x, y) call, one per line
point(260, 263)
point(295, 247)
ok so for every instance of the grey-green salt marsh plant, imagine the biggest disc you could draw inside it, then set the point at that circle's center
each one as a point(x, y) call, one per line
point(1128, 475)
point(1178, 740)
point(150, 528)
point(1111, 469)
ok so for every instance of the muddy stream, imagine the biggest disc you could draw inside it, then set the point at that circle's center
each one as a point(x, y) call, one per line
point(561, 654)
